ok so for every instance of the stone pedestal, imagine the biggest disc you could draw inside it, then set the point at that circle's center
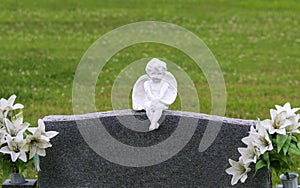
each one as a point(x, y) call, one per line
point(30, 183)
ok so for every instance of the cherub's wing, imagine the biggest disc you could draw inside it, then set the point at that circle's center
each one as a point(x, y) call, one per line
point(138, 93)
point(171, 94)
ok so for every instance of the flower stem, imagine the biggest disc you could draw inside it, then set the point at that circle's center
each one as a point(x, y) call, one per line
point(15, 168)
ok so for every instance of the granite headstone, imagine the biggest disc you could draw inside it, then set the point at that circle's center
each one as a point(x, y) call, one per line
point(71, 162)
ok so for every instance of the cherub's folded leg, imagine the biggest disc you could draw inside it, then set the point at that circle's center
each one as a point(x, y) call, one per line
point(156, 116)
point(149, 113)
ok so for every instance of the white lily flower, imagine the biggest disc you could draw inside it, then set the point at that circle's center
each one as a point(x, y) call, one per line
point(15, 147)
point(259, 138)
point(249, 154)
point(253, 131)
point(238, 170)
point(260, 128)
point(37, 143)
point(287, 107)
point(13, 128)
point(262, 141)
point(41, 127)
point(278, 123)
point(8, 105)
point(294, 127)
point(249, 139)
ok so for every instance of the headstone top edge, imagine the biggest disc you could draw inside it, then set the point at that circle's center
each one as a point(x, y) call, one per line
point(127, 112)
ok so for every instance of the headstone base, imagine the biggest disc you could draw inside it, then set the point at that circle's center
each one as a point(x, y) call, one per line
point(30, 183)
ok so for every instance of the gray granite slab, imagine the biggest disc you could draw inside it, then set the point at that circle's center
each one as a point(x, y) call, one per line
point(71, 162)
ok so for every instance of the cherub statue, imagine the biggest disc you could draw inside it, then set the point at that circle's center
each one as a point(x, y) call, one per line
point(155, 91)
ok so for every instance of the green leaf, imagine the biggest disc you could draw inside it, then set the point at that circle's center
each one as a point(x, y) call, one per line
point(287, 144)
point(298, 144)
point(294, 149)
point(283, 161)
point(266, 158)
point(294, 139)
point(6, 167)
point(260, 164)
point(280, 140)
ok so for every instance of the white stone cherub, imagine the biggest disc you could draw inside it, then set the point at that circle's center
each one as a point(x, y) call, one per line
point(155, 91)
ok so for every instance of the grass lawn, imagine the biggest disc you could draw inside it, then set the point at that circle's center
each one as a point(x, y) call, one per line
point(257, 45)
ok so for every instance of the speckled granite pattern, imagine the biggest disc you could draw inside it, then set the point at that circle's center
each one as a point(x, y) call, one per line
point(72, 163)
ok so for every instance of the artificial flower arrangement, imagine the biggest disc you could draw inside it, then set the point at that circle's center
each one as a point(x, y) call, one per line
point(20, 143)
point(270, 144)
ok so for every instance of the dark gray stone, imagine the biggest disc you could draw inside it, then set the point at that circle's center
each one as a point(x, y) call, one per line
point(30, 183)
point(72, 163)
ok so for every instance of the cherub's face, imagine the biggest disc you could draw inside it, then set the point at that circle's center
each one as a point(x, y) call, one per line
point(157, 74)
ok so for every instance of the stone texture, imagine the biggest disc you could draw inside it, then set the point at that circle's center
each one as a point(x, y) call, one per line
point(30, 183)
point(72, 163)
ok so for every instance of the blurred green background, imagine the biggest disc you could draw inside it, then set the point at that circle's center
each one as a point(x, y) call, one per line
point(257, 45)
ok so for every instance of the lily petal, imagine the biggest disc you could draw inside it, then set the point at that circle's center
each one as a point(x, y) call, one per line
point(51, 134)
point(23, 156)
point(32, 130)
point(273, 113)
point(243, 178)
point(5, 150)
point(32, 152)
point(14, 156)
point(41, 152)
point(231, 171)
point(281, 131)
point(235, 179)
point(11, 100)
point(287, 105)
point(41, 125)
point(18, 106)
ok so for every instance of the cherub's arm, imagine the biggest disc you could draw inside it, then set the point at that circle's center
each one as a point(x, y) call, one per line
point(148, 91)
point(163, 90)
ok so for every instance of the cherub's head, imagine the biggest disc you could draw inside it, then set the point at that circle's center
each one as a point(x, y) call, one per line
point(156, 69)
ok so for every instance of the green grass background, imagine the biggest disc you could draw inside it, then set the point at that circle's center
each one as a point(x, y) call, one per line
point(257, 45)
